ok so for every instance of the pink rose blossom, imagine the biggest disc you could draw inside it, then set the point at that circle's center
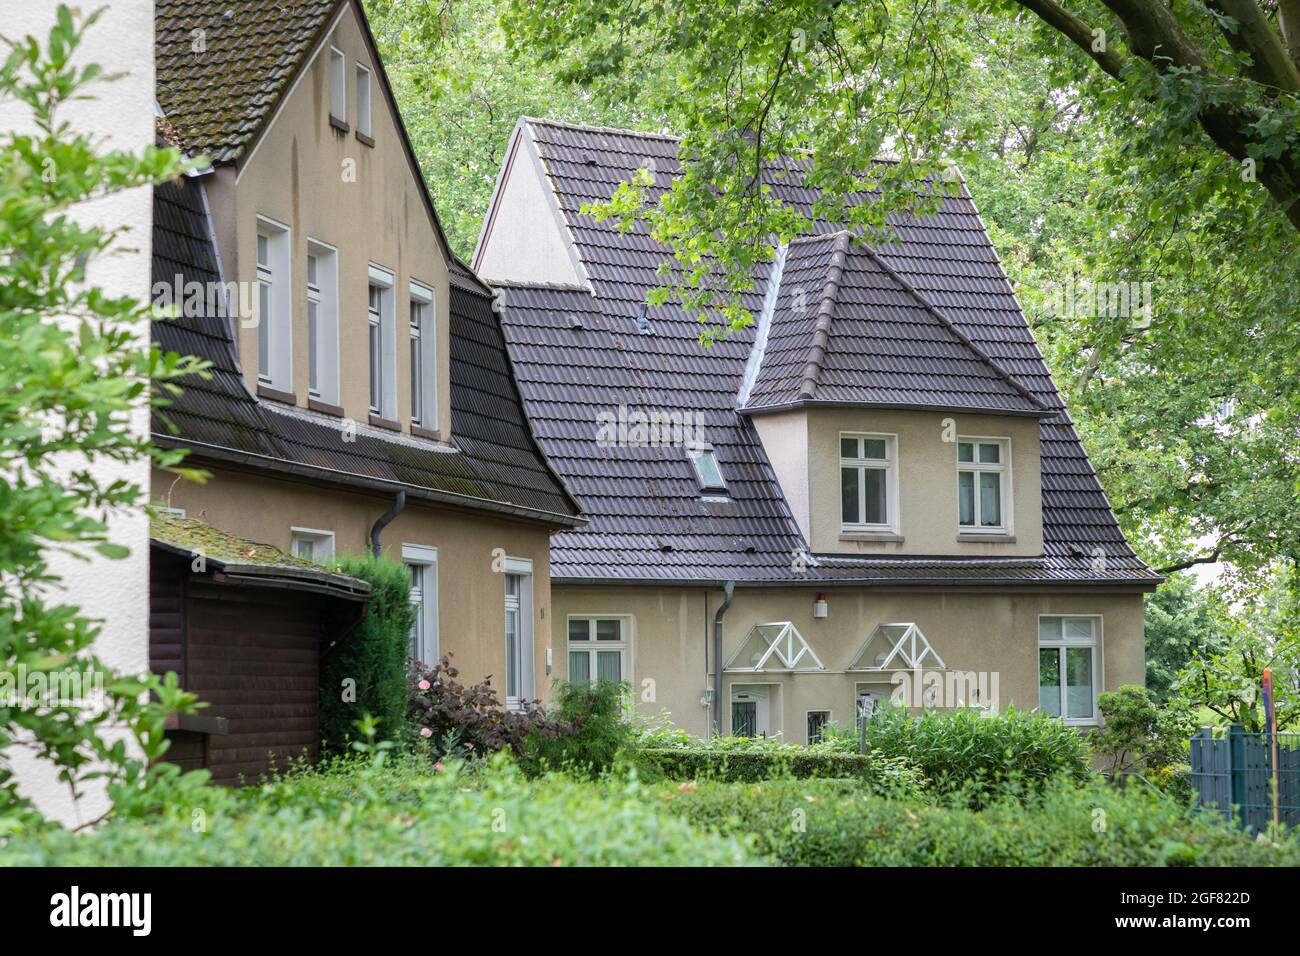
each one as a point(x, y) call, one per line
point(426, 732)
point(438, 766)
point(424, 685)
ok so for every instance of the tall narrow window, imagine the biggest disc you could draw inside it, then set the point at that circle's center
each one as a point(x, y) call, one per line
point(322, 322)
point(981, 484)
point(265, 286)
point(338, 86)
point(363, 101)
point(313, 323)
point(1068, 668)
point(274, 306)
point(422, 561)
point(867, 482)
point(424, 357)
point(375, 320)
point(518, 631)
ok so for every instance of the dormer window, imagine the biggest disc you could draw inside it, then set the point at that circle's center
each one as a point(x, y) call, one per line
point(338, 87)
point(868, 482)
point(706, 469)
point(982, 479)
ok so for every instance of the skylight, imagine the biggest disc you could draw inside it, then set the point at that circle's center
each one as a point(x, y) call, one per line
point(777, 646)
point(896, 647)
point(707, 470)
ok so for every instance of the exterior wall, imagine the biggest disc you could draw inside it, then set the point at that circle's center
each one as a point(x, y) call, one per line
point(471, 591)
point(803, 447)
point(298, 174)
point(521, 240)
point(121, 116)
point(971, 631)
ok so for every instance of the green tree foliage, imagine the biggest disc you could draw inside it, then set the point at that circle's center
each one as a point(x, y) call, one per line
point(462, 91)
point(1180, 620)
point(364, 672)
point(75, 372)
point(1138, 734)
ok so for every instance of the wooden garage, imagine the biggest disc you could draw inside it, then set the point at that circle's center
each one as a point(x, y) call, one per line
point(244, 626)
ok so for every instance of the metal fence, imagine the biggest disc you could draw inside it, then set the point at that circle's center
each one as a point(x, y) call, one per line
point(1233, 775)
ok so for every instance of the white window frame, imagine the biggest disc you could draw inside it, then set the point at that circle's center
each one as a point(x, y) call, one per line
point(277, 275)
point(772, 705)
point(888, 464)
point(590, 646)
point(425, 346)
point(385, 280)
point(325, 294)
point(1002, 468)
point(523, 606)
point(338, 77)
point(363, 89)
point(429, 644)
point(316, 537)
point(1061, 644)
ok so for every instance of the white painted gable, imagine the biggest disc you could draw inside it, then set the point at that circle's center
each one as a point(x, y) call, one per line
point(524, 237)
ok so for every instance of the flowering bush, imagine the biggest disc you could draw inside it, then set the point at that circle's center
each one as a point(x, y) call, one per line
point(469, 721)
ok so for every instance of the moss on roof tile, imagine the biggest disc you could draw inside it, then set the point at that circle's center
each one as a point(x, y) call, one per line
point(198, 537)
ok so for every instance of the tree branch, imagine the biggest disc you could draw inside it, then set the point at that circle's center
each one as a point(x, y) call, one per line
point(1270, 64)
point(1210, 558)
point(1078, 32)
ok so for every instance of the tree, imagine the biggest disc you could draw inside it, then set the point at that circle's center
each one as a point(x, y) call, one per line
point(1180, 621)
point(73, 375)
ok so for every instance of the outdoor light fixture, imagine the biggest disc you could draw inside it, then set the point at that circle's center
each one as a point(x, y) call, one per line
point(819, 606)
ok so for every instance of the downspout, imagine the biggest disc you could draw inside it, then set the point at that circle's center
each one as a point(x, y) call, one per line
point(728, 590)
point(399, 504)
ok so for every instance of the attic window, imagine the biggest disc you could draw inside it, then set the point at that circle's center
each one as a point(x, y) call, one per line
point(706, 469)
point(896, 647)
point(776, 646)
point(363, 101)
point(338, 86)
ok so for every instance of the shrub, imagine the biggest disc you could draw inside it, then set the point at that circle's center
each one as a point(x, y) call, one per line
point(1138, 734)
point(961, 751)
point(456, 719)
point(364, 811)
point(364, 672)
point(831, 823)
point(592, 730)
point(701, 763)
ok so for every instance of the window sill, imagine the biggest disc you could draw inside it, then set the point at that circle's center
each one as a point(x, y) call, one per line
point(325, 408)
point(419, 431)
point(340, 125)
point(365, 140)
point(276, 395)
point(380, 422)
point(888, 536)
point(988, 538)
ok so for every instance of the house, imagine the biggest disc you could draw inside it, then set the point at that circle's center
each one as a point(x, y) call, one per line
point(872, 492)
point(360, 395)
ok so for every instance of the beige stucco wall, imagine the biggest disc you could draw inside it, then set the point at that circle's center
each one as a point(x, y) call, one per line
point(972, 631)
point(803, 447)
point(471, 589)
point(295, 175)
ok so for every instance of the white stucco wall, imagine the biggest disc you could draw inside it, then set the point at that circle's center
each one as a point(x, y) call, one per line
point(122, 114)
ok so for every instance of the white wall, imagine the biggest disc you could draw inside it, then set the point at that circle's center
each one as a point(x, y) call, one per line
point(122, 113)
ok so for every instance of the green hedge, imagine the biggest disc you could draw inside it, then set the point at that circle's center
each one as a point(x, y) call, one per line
point(831, 823)
point(373, 656)
point(750, 765)
point(350, 814)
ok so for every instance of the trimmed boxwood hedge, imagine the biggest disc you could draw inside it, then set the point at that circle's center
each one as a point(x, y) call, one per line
point(744, 766)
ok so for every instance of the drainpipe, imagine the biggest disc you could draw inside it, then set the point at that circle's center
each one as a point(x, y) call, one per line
point(728, 590)
point(399, 504)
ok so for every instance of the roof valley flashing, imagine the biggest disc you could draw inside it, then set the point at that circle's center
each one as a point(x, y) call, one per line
point(925, 323)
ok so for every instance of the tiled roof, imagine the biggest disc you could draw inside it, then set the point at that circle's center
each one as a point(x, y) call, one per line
point(845, 330)
point(222, 67)
point(578, 354)
point(496, 464)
